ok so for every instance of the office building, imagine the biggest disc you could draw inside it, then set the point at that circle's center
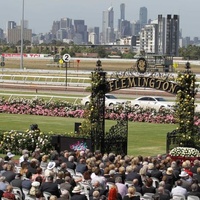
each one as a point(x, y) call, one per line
point(14, 35)
point(122, 11)
point(148, 38)
point(168, 34)
point(143, 17)
point(80, 32)
point(108, 35)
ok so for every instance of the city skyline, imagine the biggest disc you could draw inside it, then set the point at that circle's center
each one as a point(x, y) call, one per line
point(41, 14)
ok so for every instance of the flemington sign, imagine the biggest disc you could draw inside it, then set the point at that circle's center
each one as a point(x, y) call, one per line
point(148, 82)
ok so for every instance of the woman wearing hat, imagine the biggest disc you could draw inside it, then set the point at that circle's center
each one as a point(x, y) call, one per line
point(76, 194)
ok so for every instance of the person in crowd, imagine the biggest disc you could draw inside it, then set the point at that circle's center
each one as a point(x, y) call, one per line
point(95, 195)
point(132, 174)
point(9, 174)
point(148, 187)
point(137, 187)
point(34, 190)
point(17, 182)
point(50, 186)
point(24, 168)
point(37, 154)
point(162, 194)
point(121, 187)
point(51, 168)
point(186, 180)
point(121, 173)
point(96, 186)
point(44, 162)
point(178, 189)
point(32, 167)
point(197, 176)
point(81, 166)
point(25, 154)
point(70, 163)
point(156, 173)
point(194, 190)
point(111, 178)
point(38, 173)
point(63, 167)
point(131, 194)
point(26, 182)
point(59, 177)
point(53, 197)
point(186, 165)
point(9, 156)
point(65, 195)
point(3, 183)
point(76, 194)
point(96, 176)
point(143, 173)
point(113, 194)
point(195, 166)
point(67, 185)
point(169, 178)
point(8, 194)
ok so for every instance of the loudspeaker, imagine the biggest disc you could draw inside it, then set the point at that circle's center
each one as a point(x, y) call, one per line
point(76, 127)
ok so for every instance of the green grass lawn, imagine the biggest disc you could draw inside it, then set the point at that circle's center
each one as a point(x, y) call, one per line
point(145, 139)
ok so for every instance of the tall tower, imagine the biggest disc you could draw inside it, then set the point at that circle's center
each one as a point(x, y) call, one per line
point(122, 11)
point(108, 26)
point(168, 34)
point(143, 17)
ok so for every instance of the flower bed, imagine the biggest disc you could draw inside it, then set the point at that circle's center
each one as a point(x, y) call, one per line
point(184, 153)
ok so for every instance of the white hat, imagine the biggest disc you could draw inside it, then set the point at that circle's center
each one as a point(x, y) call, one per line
point(51, 165)
point(10, 155)
point(77, 189)
point(183, 174)
point(35, 184)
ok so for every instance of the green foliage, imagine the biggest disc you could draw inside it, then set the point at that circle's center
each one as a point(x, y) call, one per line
point(191, 52)
point(185, 108)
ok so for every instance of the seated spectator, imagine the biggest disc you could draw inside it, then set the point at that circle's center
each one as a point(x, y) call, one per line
point(50, 186)
point(64, 195)
point(9, 174)
point(3, 184)
point(162, 194)
point(44, 162)
point(186, 180)
point(60, 177)
point(8, 194)
point(66, 185)
point(197, 176)
point(38, 173)
point(17, 182)
point(194, 190)
point(148, 187)
point(26, 183)
point(76, 194)
point(81, 166)
point(95, 195)
point(114, 194)
point(121, 187)
point(178, 189)
point(131, 194)
point(195, 166)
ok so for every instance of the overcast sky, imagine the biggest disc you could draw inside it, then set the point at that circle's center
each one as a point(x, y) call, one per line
point(41, 13)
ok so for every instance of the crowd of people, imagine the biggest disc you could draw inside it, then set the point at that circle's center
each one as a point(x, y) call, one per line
point(86, 175)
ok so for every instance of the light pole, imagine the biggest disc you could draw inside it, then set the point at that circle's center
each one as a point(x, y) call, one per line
point(22, 36)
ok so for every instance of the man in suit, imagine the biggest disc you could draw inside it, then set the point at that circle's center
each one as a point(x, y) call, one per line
point(50, 186)
point(132, 174)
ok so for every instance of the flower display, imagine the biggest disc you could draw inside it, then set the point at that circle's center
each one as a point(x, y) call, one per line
point(184, 152)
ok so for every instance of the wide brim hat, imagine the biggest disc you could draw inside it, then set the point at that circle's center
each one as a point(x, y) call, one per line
point(10, 155)
point(77, 189)
point(35, 184)
point(169, 171)
point(51, 165)
point(183, 174)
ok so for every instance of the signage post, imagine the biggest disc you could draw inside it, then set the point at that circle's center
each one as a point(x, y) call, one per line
point(66, 58)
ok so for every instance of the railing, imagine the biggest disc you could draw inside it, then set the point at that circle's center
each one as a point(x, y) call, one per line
point(50, 80)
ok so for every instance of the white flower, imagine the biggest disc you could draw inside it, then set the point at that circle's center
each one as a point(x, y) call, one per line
point(184, 151)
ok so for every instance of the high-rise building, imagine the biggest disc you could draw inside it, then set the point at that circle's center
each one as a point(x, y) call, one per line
point(143, 17)
point(14, 35)
point(135, 28)
point(148, 38)
point(122, 11)
point(80, 31)
point(108, 35)
point(168, 35)
point(11, 25)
